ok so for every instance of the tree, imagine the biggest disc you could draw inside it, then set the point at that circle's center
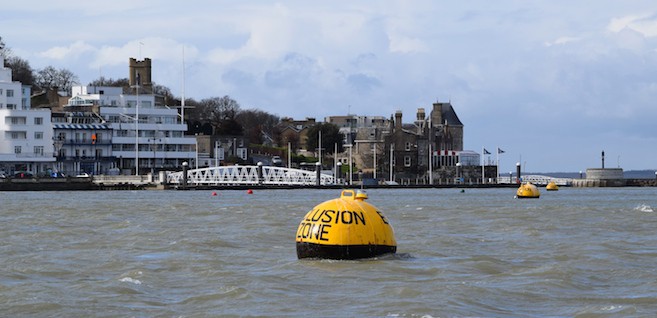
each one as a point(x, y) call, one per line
point(255, 122)
point(66, 79)
point(51, 78)
point(330, 136)
point(20, 70)
point(102, 81)
point(221, 113)
point(5, 52)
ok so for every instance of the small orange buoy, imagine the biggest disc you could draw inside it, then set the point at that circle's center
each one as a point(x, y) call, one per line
point(249, 191)
point(214, 194)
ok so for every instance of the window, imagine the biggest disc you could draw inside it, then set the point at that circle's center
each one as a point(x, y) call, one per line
point(38, 150)
point(10, 93)
point(408, 146)
point(407, 161)
point(18, 149)
point(11, 106)
point(18, 134)
point(15, 120)
point(0, 91)
point(38, 120)
point(38, 135)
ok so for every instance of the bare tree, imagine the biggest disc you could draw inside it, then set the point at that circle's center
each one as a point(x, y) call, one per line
point(5, 52)
point(66, 79)
point(46, 78)
point(20, 70)
point(221, 113)
point(102, 81)
point(50, 78)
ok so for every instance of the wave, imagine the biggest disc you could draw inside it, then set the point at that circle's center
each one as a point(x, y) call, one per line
point(644, 208)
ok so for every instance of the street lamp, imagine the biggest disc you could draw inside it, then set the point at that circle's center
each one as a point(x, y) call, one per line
point(154, 146)
point(459, 171)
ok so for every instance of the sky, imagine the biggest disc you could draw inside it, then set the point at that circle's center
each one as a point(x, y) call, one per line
point(551, 83)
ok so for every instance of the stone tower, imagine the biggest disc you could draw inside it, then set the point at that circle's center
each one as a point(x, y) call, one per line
point(143, 68)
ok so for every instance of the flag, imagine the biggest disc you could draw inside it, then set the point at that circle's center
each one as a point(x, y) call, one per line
point(500, 150)
point(486, 152)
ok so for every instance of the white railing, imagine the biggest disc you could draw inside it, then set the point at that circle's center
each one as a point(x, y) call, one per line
point(249, 175)
point(537, 180)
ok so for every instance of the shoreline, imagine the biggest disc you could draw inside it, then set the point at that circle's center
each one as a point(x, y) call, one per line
point(87, 184)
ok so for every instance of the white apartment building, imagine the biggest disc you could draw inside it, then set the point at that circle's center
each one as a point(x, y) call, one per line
point(26, 139)
point(156, 141)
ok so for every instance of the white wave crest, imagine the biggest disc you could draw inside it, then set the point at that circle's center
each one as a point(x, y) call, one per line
point(130, 280)
point(644, 208)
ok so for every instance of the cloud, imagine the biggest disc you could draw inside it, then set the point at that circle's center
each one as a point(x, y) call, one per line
point(562, 40)
point(73, 51)
point(293, 72)
point(363, 83)
point(401, 44)
point(645, 24)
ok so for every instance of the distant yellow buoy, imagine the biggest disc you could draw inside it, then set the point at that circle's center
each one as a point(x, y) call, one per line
point(552, 186)
point(527, 190)
point(345, 228)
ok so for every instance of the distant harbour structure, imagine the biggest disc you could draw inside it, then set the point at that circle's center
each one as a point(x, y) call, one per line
point(602, 177)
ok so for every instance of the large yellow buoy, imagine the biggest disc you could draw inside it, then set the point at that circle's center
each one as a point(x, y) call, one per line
point(552, 186)
point(345, 228)
point(528, 190)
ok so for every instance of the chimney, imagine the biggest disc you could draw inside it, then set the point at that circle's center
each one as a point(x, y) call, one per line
point(437, 114)
point(398, 120)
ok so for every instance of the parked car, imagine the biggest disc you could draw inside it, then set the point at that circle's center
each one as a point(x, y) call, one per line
point(276, 161)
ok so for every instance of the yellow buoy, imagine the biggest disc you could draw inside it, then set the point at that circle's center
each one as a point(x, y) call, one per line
point(552, 186)
point(528, 190)
point(345, 228)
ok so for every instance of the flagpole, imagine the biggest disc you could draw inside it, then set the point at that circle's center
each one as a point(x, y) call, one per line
point(497, 160)
point(320, 146)
point(483, 180)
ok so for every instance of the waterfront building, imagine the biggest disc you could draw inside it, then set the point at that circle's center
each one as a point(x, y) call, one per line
point(25, 133)
point(154, 142)
point(82, 143)
point(295, 132)
point(365, 136)
point(431, 148)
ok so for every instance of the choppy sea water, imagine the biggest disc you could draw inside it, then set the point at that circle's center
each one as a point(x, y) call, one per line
point(576, 252)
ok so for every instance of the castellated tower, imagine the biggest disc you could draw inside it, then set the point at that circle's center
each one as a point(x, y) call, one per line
point(143, 69)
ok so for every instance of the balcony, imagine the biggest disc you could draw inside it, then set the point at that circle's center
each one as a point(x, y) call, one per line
point(73, 142)
point(86, 159)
